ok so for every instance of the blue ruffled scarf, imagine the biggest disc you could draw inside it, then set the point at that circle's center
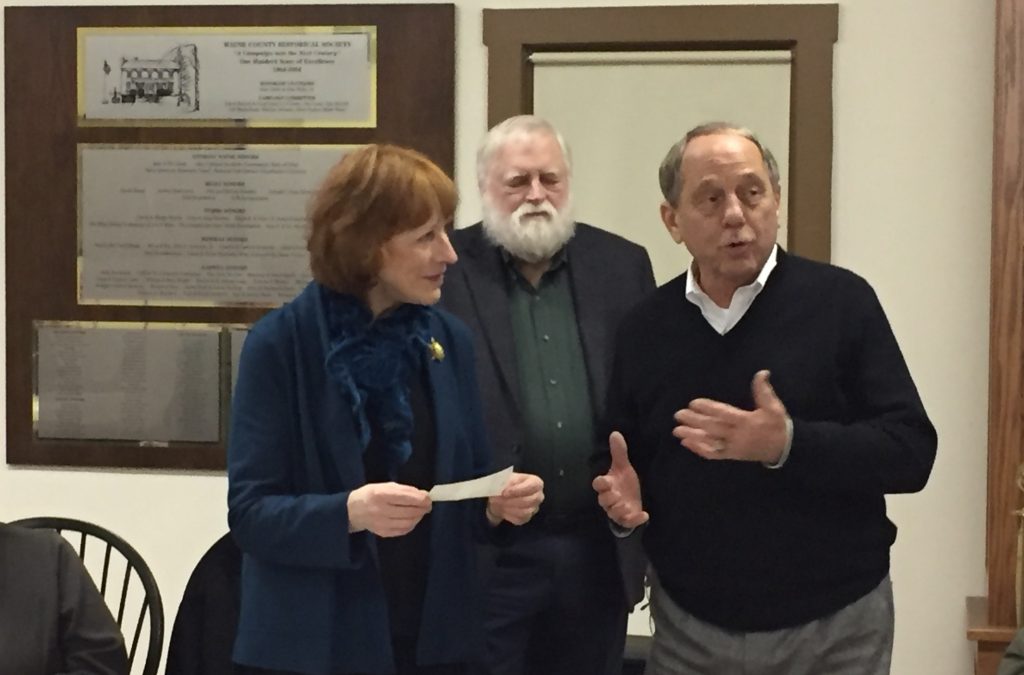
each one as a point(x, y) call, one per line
point(370, 361)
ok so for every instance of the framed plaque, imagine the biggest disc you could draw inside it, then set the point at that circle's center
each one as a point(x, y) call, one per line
point(195, 225)
point(317, 76)
point(150, 384)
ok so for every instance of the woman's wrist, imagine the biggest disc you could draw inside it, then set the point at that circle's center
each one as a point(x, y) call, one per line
point(352, 511)
point(492, 518)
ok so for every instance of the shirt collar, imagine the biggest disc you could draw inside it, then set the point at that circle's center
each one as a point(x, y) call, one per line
point(557, 260)
point(695, 292)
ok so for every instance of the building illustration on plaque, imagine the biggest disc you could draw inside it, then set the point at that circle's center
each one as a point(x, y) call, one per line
point(172, 80)
point(321, 76)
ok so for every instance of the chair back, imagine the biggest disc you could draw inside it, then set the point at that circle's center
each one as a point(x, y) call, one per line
point(203, 635)
point(125, 582)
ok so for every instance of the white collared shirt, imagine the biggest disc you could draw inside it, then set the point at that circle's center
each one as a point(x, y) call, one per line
point(723, 320)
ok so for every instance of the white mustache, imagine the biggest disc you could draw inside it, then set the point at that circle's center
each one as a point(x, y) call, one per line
point(526, 211)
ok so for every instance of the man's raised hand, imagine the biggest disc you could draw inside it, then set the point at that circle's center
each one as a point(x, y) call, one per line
point(618, 491)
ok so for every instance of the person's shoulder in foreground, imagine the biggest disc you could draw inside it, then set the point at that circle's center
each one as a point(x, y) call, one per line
point(52, 618)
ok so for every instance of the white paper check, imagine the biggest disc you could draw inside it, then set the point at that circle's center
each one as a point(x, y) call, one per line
point(484, 486)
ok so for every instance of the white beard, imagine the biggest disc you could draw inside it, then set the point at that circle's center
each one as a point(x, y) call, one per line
point(533, 237)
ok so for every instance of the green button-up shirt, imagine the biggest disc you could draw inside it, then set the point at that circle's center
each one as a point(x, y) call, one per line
point(558, 414)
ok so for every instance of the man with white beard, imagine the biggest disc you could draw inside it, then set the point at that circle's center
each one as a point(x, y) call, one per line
point(543, 295)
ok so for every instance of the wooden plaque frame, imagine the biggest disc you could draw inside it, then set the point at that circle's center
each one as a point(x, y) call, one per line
point(415, 107)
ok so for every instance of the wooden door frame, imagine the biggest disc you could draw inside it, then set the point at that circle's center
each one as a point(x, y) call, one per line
point(807, 31)
point(1006, 320)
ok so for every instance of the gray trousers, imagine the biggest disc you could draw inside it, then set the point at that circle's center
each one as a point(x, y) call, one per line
point(856, 640)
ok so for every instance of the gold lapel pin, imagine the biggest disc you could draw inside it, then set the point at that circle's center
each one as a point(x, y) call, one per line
point(436, 350)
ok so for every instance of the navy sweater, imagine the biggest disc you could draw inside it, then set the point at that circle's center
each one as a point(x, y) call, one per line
point(734, 543)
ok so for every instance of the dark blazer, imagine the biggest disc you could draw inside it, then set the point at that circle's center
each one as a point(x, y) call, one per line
point(312, 598)
point(608, 275)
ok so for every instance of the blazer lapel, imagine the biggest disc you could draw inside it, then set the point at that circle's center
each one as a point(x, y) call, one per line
point(483, 264)
point(588, 291)
point(449, 418)
point(441, 391)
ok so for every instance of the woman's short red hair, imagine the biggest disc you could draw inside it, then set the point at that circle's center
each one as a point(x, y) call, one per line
point(372, 194)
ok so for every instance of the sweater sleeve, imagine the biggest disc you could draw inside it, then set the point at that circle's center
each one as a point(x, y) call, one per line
point(272, 513)
point(621, 412)
point(645, 273)
point(618, 414)
point(886, 444)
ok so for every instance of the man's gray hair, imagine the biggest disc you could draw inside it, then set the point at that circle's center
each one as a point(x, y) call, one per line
point(670, 174)
point(500, 134)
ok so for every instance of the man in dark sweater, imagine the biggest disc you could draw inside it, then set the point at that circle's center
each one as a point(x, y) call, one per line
point(767, 525)
point(543, 295)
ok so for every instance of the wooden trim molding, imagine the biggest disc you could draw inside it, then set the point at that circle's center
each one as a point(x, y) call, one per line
point(991, 640)
point(992, 621)
point(807, 31)
point(1006, 328)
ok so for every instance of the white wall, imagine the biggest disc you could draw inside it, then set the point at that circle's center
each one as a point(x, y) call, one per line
point(591, 96)
point(913, 125)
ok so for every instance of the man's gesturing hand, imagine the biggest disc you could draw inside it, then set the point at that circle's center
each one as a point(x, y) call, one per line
point(716, 430)
point(618, 491)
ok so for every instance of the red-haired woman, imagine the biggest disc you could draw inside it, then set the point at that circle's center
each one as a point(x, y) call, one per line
point(351, 402)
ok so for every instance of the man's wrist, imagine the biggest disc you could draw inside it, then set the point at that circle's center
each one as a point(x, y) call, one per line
point(620, 531)
point(784, 455)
